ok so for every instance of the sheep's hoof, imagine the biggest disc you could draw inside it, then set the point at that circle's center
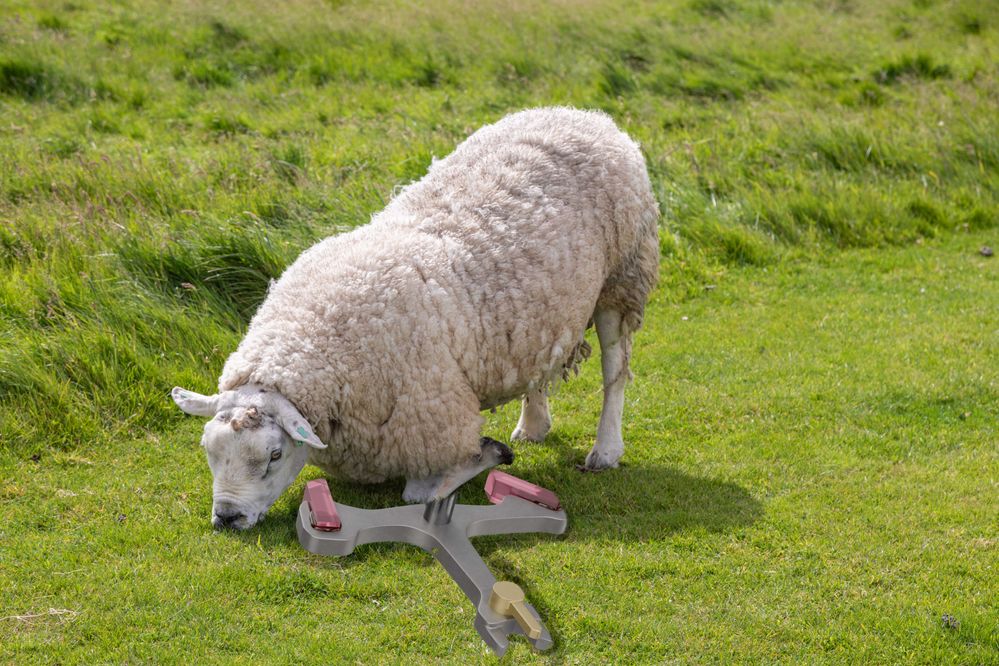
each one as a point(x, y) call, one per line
point(522, 435)
point(501, 453)
point(598, 461)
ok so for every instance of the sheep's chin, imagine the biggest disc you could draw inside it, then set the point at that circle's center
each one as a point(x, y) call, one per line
point(244, 523)
point(250, 512)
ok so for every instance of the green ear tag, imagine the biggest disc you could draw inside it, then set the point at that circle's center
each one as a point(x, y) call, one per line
point(305, 435)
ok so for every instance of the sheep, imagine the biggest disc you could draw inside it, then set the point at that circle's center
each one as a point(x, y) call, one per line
point(376, 351)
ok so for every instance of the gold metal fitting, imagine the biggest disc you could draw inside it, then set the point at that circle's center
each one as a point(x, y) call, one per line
point(507, 599)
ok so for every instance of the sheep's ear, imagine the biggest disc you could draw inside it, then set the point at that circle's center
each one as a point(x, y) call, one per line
point(195, 404)
point(296, 425)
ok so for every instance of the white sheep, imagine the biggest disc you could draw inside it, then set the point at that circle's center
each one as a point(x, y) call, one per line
point(473, 287)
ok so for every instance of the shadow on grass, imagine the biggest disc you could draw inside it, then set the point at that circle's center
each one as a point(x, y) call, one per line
point(635, 503)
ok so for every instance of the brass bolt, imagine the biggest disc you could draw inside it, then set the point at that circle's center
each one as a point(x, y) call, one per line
point(507, 599)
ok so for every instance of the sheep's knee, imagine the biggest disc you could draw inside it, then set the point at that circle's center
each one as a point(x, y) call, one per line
point(535, 418)
point(491, 453)
point(419, 491)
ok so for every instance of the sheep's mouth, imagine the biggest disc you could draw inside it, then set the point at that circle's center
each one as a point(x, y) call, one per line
point(240, 524)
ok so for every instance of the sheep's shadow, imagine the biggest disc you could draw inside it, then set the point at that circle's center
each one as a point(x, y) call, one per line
point(636, 502)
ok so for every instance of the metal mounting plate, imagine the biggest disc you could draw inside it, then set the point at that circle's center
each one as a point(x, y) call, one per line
point(448, 542)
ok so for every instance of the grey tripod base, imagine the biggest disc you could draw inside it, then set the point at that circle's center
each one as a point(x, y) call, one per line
point(443, 529)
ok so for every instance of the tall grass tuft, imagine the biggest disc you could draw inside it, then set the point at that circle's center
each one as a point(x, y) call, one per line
point(160, 164)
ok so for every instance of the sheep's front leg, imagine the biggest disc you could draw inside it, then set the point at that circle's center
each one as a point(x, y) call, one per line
point(491, 453)
point(615, 350)
point(418, 491)
point(535, 419)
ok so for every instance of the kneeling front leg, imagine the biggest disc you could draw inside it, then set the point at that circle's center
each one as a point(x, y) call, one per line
point(491, 453)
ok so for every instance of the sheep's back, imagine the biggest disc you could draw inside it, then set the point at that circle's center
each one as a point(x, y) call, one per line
point(532, 214)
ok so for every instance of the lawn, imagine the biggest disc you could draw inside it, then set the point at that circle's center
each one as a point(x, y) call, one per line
point(811, 471)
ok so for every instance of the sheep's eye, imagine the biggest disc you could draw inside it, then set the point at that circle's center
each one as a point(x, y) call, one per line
point(275, 455)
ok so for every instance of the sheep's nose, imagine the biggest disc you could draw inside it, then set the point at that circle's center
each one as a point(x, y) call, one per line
point(225, 518)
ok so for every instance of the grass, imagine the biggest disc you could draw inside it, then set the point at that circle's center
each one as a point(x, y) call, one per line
point(809, 478)
point(811, 461)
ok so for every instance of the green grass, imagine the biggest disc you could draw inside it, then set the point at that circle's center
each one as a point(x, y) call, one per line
point(810, 478)
point(812, 451)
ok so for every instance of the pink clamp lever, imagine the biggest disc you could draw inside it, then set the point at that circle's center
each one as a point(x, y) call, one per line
point(321, 506)
point(500, 484)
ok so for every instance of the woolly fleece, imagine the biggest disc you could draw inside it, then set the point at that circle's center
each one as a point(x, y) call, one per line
point(472, 287)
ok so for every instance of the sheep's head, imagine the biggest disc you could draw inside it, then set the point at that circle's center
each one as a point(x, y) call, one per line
point(256, 442)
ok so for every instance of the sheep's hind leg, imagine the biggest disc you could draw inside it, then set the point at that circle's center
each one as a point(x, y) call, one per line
point(535, 419)
point(615, 350)
point(438, 487)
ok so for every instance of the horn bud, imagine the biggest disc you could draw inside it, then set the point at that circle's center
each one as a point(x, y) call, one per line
point(250, 419)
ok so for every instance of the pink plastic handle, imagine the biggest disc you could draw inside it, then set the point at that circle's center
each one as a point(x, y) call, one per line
point(500, 484)
point(321, 506)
